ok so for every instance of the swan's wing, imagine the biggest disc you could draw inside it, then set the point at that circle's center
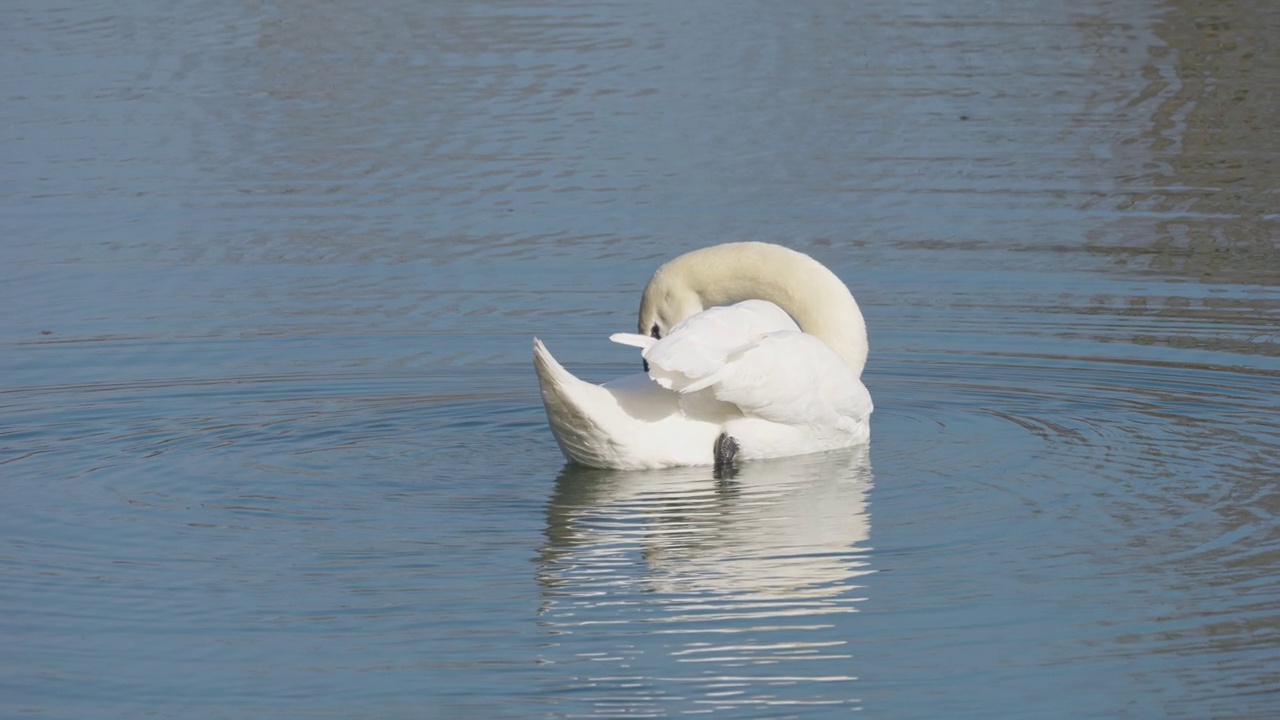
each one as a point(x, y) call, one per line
point(753, 356)
point(701, 345)
point(792, 378)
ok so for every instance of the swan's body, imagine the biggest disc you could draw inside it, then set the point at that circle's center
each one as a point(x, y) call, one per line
point(749, 342)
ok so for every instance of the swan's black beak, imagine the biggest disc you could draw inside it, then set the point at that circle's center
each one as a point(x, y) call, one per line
point(656, 334)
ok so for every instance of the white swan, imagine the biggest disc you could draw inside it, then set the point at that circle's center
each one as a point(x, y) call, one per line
point(753, 351)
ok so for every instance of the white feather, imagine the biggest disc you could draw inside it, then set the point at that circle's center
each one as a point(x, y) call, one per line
point(633, 339)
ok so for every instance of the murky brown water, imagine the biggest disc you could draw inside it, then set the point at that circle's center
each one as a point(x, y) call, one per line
point(271, 446)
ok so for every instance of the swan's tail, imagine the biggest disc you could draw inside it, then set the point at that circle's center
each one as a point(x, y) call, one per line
point(576, 411)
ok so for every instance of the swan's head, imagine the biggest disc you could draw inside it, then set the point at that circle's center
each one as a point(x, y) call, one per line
point(667, 300)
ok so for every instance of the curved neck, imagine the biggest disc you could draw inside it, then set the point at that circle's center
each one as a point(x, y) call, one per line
point(723, 274)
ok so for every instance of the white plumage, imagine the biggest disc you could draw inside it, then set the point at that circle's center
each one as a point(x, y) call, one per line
point(746, 370)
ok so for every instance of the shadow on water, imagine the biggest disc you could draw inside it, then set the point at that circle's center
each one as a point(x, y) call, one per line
point(738, 582)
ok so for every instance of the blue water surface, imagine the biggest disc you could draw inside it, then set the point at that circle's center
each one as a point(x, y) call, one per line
point(271, 444)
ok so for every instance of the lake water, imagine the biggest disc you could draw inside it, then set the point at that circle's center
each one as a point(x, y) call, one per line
point(271, 444)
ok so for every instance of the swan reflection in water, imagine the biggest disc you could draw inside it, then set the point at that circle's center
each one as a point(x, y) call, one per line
point(750, 580)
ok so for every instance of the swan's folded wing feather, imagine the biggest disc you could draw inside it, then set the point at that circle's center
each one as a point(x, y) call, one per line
point(689, 358)
point(751, 355)
point(792, 378)
point(643, 342)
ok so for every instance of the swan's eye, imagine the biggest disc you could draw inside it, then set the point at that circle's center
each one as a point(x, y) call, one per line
point(655, 333)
